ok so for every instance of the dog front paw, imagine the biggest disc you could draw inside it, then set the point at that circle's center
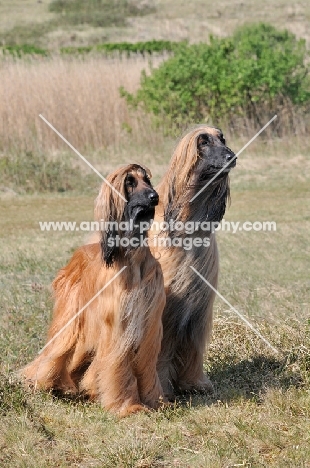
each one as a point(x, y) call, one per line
point(132, 409)
point(201, 385)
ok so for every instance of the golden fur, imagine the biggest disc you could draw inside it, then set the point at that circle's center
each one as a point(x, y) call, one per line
point(110, 350)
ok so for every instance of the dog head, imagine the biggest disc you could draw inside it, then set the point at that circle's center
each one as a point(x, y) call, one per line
point(121, 218)
point(200, 158)
point(213, 154)
point(140, 194)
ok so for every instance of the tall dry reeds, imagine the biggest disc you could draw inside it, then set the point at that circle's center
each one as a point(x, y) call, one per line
point(79, 96)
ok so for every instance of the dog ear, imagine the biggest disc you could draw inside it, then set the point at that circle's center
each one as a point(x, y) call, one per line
point(109, 210)
point(148, 172)
point(110, 247)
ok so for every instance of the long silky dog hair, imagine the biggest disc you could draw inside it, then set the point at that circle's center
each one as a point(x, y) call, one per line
point(110, 349)
point(188, 315)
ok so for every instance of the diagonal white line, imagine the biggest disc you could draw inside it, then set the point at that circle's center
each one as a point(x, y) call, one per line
point(236, 155)
point(83, 308)
point(236, 311)
point(82, 157)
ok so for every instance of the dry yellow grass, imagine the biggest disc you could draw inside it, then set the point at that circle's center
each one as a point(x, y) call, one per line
point(259, 415)
point(80, 97)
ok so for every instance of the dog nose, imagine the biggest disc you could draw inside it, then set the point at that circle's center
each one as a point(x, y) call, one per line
point(230, 156)
point(153, 197)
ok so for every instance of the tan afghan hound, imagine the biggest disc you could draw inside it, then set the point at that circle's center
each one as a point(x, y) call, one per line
point(188, 315)
point(109, 350)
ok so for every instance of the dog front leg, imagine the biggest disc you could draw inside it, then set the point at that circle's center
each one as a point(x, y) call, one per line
point(112, 381)
point(150, 389)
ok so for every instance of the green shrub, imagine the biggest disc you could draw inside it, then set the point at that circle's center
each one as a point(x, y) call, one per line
point(245, 75)
point(30, 172)
point(148, 47)
point(97, 12)
point(24, 49)
point(71, 50)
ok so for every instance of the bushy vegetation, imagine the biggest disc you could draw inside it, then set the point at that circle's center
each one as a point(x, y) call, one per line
point(257, 70)
point(147, 47)
point(24, 49)
point(97, 12)
point(128, 48)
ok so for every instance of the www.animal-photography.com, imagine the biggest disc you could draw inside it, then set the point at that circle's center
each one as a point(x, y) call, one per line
point(154, 247)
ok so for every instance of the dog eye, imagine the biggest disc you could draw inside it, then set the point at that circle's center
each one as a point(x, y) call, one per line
point(130, 181)
point(205, 140)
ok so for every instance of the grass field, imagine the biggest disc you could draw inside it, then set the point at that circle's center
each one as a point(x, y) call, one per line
point(259, 415)
point(28, 21)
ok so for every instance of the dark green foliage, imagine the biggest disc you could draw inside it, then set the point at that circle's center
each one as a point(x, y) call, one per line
point(97, 12)
point(148, 47)
point(272, 63)
point(71, 50)
point(250, 73)
point(31, 172)
point(24, 49)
